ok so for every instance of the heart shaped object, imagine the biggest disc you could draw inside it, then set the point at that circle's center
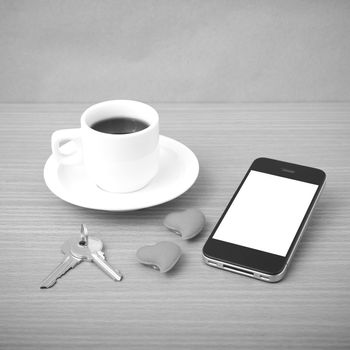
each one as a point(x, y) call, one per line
point(187, 224)
point(162, 256)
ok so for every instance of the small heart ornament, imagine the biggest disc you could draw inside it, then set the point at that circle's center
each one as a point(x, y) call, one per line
point(162, 256)
point(188, 223)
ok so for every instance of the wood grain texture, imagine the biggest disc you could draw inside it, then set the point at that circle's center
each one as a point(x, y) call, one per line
point(194, 306)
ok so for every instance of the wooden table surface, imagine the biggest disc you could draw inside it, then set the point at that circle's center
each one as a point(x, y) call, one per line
point(194, 306)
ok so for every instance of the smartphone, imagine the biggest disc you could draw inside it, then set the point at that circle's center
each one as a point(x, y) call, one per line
point(260, 229)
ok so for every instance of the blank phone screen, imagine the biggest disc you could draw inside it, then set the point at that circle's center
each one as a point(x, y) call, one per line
point(266, 213)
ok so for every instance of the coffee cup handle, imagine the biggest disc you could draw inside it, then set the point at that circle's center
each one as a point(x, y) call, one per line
point(60, 138)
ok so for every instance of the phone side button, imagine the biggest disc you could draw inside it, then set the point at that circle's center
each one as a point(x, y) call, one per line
point(264, 278)
point(261, 277)
point(214, 263)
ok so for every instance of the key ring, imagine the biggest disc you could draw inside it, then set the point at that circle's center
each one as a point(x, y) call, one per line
point(84, 235)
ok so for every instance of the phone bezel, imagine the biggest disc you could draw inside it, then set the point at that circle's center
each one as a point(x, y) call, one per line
point(253, 259)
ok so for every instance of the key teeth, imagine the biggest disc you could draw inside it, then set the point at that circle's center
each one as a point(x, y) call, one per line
point(102, 263)
point(67, 264)
point(47, 286)
point(102, 255)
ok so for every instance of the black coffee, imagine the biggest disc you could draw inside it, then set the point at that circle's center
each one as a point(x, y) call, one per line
point(119, 125)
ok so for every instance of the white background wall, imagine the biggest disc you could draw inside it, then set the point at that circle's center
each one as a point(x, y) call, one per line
point(192, 51)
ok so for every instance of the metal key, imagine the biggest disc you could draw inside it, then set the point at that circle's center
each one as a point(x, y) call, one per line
point(97, 256)
point(69, 262)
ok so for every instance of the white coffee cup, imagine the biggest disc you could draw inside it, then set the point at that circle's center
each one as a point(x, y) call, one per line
point(115, 162)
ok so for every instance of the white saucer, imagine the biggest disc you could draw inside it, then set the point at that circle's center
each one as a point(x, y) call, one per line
point(178, 171)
